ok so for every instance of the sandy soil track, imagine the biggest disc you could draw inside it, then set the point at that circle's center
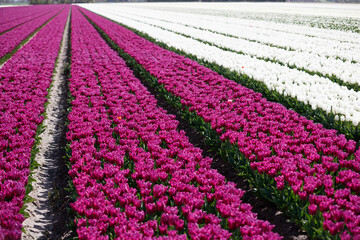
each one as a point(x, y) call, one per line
point(43, 218)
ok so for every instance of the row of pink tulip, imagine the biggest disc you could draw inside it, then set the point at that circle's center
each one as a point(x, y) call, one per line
point(8, 14)
point(25, 79)
point(15, 16)
point(11, 39)
point(135, 175)
point(318, 165)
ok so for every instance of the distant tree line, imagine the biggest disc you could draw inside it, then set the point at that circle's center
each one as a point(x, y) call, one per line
point(214, 0)
point(59, 1)
point(92, 1)
point(195, 0)
point(6, 2)
point(48, 1)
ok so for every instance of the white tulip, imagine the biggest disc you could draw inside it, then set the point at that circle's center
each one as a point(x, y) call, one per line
point(319, 54)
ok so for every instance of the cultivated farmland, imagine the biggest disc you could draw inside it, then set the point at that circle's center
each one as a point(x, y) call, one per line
point(180, 121)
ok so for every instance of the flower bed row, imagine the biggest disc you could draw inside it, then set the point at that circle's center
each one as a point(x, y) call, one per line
point(286, 36)
point(25, 80)
point(15, 16)
point(307, 169)
point(8, 14)
point(135, 175)
point(318, 92)
point(11, 39)
point(275, 19)
point(223, 35)
point(327, 118)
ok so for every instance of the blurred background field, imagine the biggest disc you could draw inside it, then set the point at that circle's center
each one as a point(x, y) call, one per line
point(4, 3)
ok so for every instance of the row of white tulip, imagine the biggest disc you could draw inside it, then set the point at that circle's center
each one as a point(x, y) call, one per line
point(274, 21)
point(346, 71)
point(259, 31)
point(317, 91)
point(305, 24)
point(329, 16)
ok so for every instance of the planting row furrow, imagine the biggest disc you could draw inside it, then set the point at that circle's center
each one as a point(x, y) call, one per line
point(345, 73)
point(13, 38)
point(135, 175)
point(46, 214)
point(35, 12)
point(309, 170)
point(25, 79)
point(338, 106)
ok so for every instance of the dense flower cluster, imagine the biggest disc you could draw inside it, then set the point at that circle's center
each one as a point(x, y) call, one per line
point(290, 36)
point(135, 175)
point(316, 164)
point(313, 20)
point(11, 39)
point(319, 92)
point(13, 13)
point(238, 36)
point(25, 79)
point(14, 16)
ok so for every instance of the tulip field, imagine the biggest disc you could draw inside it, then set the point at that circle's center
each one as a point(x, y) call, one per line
point(276, 94)
point(25, 79)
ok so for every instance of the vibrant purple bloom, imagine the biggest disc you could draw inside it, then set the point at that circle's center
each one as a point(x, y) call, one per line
point(280, 143)
point(130, 162)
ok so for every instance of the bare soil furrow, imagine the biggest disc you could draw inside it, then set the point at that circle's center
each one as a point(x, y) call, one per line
point(48, 210)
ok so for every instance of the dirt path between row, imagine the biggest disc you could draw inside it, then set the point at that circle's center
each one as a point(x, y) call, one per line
point(44, 219)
